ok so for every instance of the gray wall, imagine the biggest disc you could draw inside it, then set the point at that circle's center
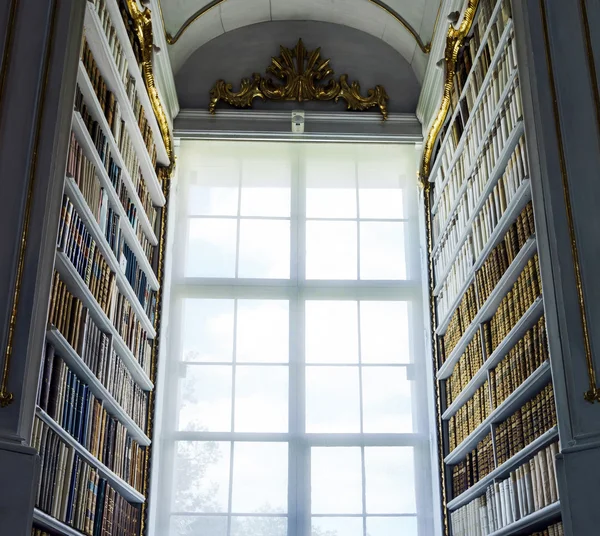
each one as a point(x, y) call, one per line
point(239, 53)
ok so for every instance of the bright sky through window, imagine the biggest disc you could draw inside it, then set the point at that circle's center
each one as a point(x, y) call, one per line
point(295, 399)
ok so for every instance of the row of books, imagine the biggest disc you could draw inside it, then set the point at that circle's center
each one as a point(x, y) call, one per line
point(467, 366)
point(469, 416)
point(113, 171)
point(520, 363)
point(69, 401)
point(112, 112)
point(139, 282)
point(513, 306)
point(501, 257)
point(127, 80)
point(456, 278)
point(477, 465)
point(553, 530)
point(460, 321)
point(68, 314)
point(76, 242)
point(71, 490)
point(529, 422)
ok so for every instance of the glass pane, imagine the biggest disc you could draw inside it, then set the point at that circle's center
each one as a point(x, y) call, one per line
point(386, 400)
point(262, 331)
point(261, 399)
point(384, 334)
point(331, 331)
point(337, 526)
point(198, 525)
point(336, 480)
point(211, 248)
point(260, 482)
point(205, 398)
point(266, 188)
point(331, 250)
point(264, 249)
point(201, 477)
point(332, 399)
point(207, 330)
point(258, 526)
point(214, 191)
point(330, 189)
point(392, 526)
point(382, 250)
point(390, 480)
point(379, 191)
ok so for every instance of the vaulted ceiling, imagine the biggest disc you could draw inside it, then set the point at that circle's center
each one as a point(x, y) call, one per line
point(405, 25)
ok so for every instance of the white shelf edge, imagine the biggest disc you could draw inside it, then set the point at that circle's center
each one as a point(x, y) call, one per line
point(83, 137)
point(134, 70)
point(495, 176)
point(124, 489)
point(77, 286)
point(544, 514)
point(75, 362)
point(451, 212)
point(91, 101)
point(102, 55)
point(53, 524)
point(503, 470)
point(76, 197)
point(536, 381)
point(486, 81)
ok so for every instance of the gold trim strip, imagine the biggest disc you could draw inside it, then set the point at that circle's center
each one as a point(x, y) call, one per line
point(593, 394)
point(172, 39)
point(6, 397)
point(454, 41)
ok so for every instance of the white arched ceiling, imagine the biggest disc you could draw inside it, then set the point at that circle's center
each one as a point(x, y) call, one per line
point(365, 15)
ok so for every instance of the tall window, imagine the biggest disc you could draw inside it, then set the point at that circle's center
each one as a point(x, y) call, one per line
point(295, 399)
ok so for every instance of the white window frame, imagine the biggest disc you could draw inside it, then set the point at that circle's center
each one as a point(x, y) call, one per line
point(297, 290)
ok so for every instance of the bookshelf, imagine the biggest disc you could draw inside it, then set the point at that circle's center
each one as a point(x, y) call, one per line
point(493, 369)
point(91, 426)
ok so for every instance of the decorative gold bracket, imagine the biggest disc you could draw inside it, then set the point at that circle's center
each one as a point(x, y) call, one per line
point(303, 74)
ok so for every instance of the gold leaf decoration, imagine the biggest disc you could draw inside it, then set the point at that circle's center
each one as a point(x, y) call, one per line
point(303, 76)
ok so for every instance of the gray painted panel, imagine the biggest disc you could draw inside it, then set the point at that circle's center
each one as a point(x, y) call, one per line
point(238, 54)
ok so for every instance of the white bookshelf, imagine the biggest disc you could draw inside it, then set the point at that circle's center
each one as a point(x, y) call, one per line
point(541, 518)
point(48, 522)
point(127, 491)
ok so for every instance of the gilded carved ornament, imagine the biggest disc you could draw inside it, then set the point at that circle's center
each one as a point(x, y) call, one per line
point(303, 75)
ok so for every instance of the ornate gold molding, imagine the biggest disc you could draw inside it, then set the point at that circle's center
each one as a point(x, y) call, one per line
point(142, 21)
point(303, 74)
point(454, 41)
point(172, 39)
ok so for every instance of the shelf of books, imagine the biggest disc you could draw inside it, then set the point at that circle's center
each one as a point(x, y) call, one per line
point(499, 426)
point(91, 424)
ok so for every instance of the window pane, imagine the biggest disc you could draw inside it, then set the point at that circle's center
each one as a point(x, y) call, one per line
point(330, 189)
point(258, 526)
point(264, 249)
point(379, 191)
point(266, 188)
point(392, 526)
point(386, 400)
point(201, 525)
point(384, 335)
point(336, 480)
point(260, 473)
point(332, 399)
point(211, 248)
point(215, 191)
point(382, 250)
point(261, 399)
point(207, 330)
point(331, 250)
point(331, 331)
point(390, 480)
point(337, 526)
point(205, 398)
point(201, 477)
point(262, 331)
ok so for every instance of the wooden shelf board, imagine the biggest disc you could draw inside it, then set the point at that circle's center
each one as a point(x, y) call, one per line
point(537, 519)
point(48, 522)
